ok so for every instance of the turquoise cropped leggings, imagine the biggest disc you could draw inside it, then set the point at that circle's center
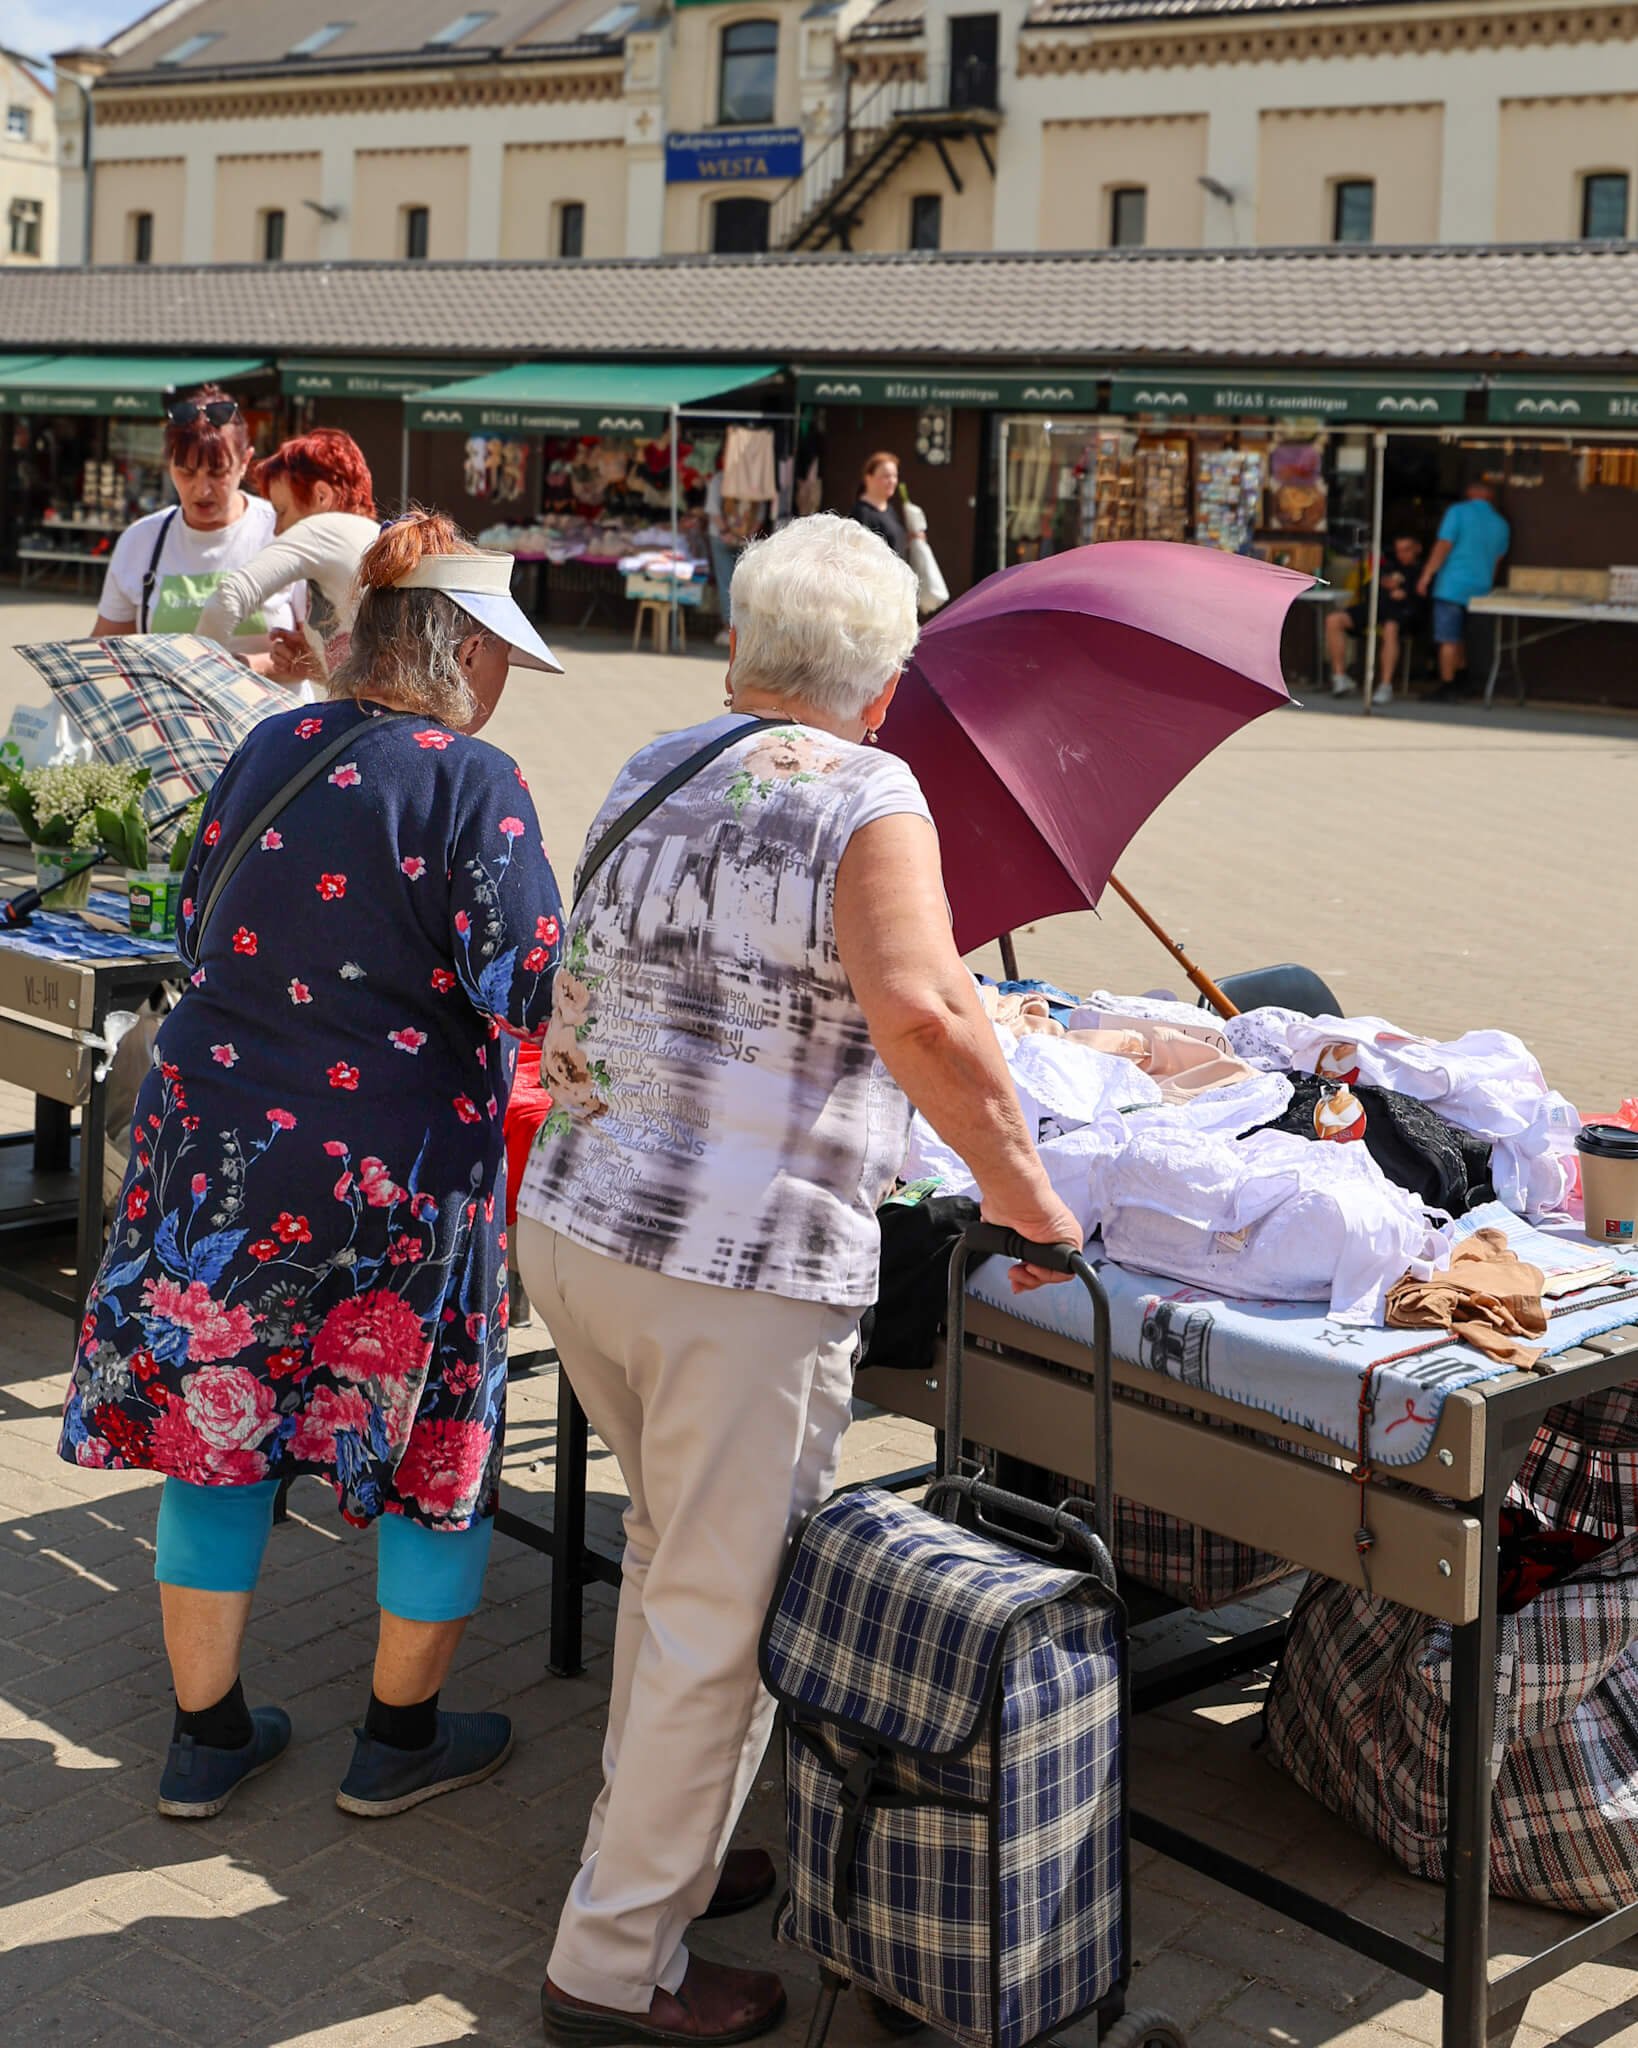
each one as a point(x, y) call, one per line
point(212, 1539)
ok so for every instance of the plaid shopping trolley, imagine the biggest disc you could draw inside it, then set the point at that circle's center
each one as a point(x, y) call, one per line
point(953, 1692)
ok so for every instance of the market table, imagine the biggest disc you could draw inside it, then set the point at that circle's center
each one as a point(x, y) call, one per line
point(1555, 615)
point(1434, 1525)
point(59, 979)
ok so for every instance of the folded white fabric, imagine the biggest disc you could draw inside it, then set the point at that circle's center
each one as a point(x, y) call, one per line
point(1486, 1082)
point(1273, 1217)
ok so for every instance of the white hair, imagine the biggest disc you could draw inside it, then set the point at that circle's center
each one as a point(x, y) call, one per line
point(825, 612)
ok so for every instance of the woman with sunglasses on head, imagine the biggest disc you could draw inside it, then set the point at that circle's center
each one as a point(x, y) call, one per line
point(165, 566)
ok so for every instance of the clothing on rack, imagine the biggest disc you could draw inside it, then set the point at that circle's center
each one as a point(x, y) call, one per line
point(1487, 1295)
point(748, 469)
point(1412, 1143)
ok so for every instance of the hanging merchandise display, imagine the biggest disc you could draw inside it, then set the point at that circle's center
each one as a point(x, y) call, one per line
point(1228, 497)
point(1163, 491)
point(748, 464)
point(934, 430)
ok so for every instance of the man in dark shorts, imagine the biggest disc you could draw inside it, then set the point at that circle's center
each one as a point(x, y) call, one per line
point(1400, 611)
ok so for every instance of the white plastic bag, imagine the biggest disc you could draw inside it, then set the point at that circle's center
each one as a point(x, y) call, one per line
point(932, 590)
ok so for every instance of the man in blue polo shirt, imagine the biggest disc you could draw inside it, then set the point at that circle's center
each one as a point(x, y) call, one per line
point(1473, 537)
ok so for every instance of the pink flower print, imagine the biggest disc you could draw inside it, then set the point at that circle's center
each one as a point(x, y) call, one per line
point(178, 1450)
point(346, 776)
point(492, 1108)
point(463, 924)
point(263, 1249)
point(290, 1229)
point(407, 1040)
point(404, 1250)
point(375, 1336)
point(230, 1406)
point(482, 1053)
point(136, 1203)
point(215, 1332)
point(300, 992)
point(281, 1119)
point(381, 1191)
point(199, 1186)
point(512, 827)
point(437, 742)
point(224, 1055)
point(343, 1076)
point(466, 1109)
point(461, 1375)
point(331, 887)
point(518, 772)
point(190, 1124)
point(244, 941)
point(287, 1364)
point(414, 866)
point(309, 728)
point(327, 1411)
point(537, 960)
point(272, 842)
point(335, 1148)
point(197, 978)
point(442, 980)
point(547, 930)
point(442, 1468)
point(477, 1328)
point(213, 831)
point(343, 1187)
point(489, 1208)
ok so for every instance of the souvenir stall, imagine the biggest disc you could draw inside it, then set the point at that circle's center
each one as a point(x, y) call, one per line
point(592, 473)
point(365, 398)
point(84, 451)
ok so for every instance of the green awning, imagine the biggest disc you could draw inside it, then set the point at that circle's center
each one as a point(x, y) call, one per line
point(1326, 395)
point(130, 386)
point(11, 368)
point(1561, 402)
point(1019, 391)
point(353, 377)
point(617, 399)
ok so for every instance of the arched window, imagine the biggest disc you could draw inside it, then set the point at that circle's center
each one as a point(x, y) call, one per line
point(739, 227)
point(750, 64)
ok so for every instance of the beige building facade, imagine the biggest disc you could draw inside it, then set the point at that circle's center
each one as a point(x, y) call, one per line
point(30, 201)
point(223, 134)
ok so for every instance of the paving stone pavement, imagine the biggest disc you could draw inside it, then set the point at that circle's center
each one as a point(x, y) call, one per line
point(1446, 868)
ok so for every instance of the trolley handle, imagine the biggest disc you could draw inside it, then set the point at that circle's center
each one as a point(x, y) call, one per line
point(991, 1240)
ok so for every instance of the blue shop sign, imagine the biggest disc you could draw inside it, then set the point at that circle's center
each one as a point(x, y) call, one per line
point(732, 156)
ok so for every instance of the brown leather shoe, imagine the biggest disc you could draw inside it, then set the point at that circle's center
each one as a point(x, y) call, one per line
point(747, 1878)
point(713, 2003)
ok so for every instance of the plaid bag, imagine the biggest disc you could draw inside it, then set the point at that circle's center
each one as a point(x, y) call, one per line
point(1581, 1470)
point(954, 1756)
point(1359, 1715)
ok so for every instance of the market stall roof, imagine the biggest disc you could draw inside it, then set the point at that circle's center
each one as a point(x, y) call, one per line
point(1566, 306)
point(133, 387)
point(1019, 390)
point(1398, 401)
point(361, 377)
point(579, 398)
point(1550, 401)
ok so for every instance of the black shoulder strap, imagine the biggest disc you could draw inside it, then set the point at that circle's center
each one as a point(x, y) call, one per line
point(651, 799)
point(311, 768)
point(150, 575)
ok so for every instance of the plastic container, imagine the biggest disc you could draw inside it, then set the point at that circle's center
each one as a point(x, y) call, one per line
point(49, 863)
point(153, 895)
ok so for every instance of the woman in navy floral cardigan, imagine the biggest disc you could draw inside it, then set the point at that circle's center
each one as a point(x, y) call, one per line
point(307, 1272)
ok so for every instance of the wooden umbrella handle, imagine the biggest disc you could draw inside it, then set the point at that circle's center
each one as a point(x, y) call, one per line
point(1198, 975)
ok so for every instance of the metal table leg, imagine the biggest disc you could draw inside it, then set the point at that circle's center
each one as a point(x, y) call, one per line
point(1465, 2018)
point(53, 1135)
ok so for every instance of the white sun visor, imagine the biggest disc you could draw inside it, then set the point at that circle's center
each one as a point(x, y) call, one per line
point(482, 585)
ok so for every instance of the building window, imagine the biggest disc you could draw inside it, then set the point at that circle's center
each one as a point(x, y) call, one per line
point(1604, 197)
point(19, 124)
point(458, 30)
point(272, 236)
point(1128, 216)
point(739, 227)
point(750, 63)
point(926, 220)
point(571, 228)
point(191, 46)
point(416, 223)
point(27, 216)
point(319, 39)
point(1353, 210)
point(140, 240)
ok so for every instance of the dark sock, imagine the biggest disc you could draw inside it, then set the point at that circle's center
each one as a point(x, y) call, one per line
point(227, 1725)
point(403, 1727)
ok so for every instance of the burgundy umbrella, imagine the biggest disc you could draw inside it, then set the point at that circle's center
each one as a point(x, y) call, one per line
point(1048, 711)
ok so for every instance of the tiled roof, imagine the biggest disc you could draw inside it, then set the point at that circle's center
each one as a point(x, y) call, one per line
point(896, 18)
point(1570, 303)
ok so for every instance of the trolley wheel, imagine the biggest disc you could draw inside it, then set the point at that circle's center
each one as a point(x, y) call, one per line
point(1146, 2029)
point(890, 2018)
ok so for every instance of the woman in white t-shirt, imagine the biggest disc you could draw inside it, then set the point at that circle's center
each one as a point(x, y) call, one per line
point(165, 566)
point(758, 981)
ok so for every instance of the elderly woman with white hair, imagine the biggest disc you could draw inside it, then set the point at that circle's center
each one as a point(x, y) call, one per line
point(759, 981)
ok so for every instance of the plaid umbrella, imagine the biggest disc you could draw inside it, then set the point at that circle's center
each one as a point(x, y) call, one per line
point(165, 702)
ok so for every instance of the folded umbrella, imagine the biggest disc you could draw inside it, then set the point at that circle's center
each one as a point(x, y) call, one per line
point(169, 703)
point(1048, 711)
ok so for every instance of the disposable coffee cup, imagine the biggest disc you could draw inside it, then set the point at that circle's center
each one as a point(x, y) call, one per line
point(1609, 1182)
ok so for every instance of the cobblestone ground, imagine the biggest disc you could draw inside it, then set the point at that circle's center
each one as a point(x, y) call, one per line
point(1446, 869)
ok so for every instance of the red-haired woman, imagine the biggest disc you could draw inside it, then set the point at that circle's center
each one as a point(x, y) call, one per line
point(324, 510)
point(165, 566)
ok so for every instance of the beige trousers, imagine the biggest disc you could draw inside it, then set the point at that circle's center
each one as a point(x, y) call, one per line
point(726, 1410)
